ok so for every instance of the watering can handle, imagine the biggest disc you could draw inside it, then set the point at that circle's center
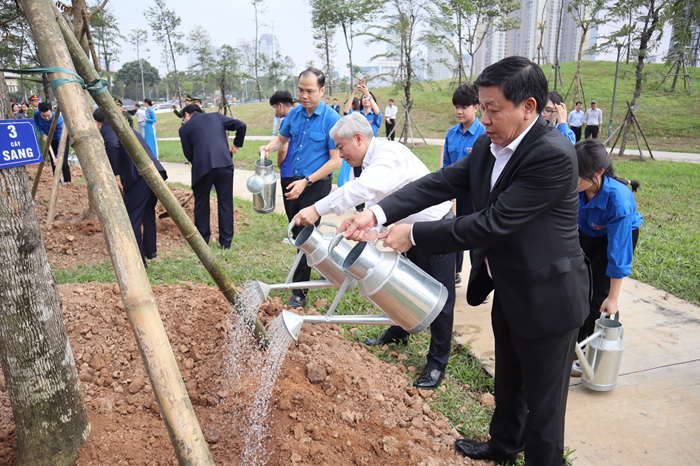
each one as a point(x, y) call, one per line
point(604, 315)
point(334, 242)
point(328, 224)
point(291, 225)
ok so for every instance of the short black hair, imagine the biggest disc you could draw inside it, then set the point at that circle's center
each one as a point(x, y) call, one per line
point(555, 97)
point(148, 101)
point(465, 95)
point(98, 115)
point(137, 105)
point(192, 109)
point(579, 102)
point(284, 97)
point(391, 100)
point(320, 77)
point(335, 100)
point(519, 78)
point(44, 107)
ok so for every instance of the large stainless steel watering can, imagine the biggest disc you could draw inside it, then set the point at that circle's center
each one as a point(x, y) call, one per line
point(601, 363)
point(407, 295)
point(313, 243)
point(263, 185)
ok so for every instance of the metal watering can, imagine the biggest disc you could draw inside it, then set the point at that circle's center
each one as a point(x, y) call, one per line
point(407, 295)
point(263, 185)
point(601, 364)
point(313, 243)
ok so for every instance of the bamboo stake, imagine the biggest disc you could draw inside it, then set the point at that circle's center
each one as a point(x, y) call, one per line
point(139, 301)
point(150, 174)
point(45, 152)
point(56, 179)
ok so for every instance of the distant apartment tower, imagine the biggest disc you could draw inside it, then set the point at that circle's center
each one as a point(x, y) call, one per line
point(525, 40)
point(268, 45)
point(440, 63)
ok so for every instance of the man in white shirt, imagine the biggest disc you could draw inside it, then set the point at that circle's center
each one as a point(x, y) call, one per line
point(386, 167)
point(390, 113)
point(593, 120)
point(523, 242)
point(576, 120)
point(141, 117)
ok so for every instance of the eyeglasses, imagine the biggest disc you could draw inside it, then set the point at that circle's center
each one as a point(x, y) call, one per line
point(548, 111)
point(301, 92)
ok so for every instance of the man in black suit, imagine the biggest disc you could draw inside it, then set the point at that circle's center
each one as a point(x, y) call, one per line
point(205, 144)
point(139, 200)
point(523, 178)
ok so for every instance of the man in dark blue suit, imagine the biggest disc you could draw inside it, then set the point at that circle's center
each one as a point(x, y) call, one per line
point(205, 144)
point(139, 200)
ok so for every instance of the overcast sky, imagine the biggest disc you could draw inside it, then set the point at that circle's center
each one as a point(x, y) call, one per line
point(229, 21)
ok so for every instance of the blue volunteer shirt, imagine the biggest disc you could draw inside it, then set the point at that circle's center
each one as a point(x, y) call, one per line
point(612, 212)
point(566, 131)
point(286, 167)
point(310, 139)
point(459, 143)
point(44, 126)
point(375, 121)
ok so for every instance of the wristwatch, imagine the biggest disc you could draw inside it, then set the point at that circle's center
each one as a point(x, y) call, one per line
point(308, 181)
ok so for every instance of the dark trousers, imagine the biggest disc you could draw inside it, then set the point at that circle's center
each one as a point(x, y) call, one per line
point(577, 132)
point(389, 128)
point(285, 182)
point(357, 171)
point(222, 180)
point(596, 249)
point(65, 169)
point(531, 386)
point(140, 204)
point(308, 197)
point(592, 131)
point(464, 206)
point(441, 268)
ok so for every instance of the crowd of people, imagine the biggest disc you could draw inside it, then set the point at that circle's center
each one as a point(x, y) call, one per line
point(549, 226)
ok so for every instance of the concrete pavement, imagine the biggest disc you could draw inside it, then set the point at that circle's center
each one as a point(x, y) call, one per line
point(651, 417)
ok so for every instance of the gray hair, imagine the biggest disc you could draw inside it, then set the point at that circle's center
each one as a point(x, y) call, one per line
point(350, 125)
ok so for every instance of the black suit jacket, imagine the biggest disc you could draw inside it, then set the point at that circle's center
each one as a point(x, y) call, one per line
point(526, 227)
point(205, 143)
point(119, 159)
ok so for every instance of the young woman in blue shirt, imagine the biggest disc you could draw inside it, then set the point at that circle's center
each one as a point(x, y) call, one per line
point(608, 228)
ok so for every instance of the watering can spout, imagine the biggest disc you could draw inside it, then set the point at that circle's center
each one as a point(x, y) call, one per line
point(292, 323)
point(264, 289)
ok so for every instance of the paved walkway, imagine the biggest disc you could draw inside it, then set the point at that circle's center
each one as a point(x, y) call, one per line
point(651, 418)
point(658, 155)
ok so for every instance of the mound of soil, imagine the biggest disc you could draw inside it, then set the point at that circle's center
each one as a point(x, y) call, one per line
point(76, 235)
point(335, 403)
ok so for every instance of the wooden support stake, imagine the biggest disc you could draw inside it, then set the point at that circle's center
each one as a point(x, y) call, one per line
point(155, 182)
point(139, 302)
point(56, 179)
point(641, 131)
point(45, 152)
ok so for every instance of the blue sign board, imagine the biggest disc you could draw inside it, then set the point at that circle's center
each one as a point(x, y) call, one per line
point(18, 143)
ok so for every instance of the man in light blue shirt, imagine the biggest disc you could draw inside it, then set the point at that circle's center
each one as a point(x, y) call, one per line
point(458, 144)
point(576, 120)
point(314, 159)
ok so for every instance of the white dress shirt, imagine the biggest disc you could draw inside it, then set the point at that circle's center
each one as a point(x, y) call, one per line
point(387, 167)
point(391, 112)
point(594, 117)
point(576, 118)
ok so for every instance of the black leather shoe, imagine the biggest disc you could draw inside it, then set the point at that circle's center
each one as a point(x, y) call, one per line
point(151, 256)
point(430, 379)
point(482, 451)
point(385, 338)
point(297, 301)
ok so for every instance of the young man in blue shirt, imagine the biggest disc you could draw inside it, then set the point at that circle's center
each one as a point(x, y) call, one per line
point(42, 119)
point(283, 103)
point(458, 144)
point(315, 156)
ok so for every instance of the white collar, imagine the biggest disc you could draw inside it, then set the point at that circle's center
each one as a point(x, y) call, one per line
point(496, 150)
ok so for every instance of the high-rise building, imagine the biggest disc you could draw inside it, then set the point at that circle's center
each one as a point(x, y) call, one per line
point(539, 20)
point(440, 63)
point(268, 45)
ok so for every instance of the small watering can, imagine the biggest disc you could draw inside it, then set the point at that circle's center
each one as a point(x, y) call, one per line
point(263, 185)
point(407, 295)
point(601, 364)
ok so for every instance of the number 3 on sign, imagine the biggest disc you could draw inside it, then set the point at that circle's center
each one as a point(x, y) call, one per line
point(13, 132)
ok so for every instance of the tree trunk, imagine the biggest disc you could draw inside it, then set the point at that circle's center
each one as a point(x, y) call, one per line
point(348, 45)
point(47, 404)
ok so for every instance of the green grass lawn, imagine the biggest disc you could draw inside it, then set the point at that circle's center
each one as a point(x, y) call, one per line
point(671, 121)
